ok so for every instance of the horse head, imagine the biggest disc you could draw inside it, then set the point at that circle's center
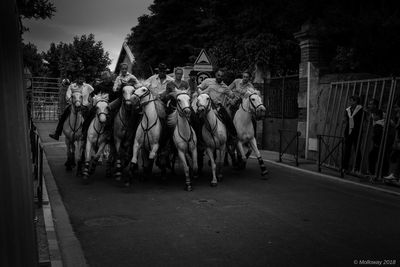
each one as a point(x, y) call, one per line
point(256, 106)
point(127, 94)
point(203, 103)
point(102, 110)
point(183, 103)
point(139, 95)
point(77, 100)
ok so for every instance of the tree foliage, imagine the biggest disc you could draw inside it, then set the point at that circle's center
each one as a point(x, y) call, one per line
point(33, 59)
point(359, 35)
point(36, 9)
point(84, 55)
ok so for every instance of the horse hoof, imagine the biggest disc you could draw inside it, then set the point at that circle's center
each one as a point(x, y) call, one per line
point(127, 184)
point(213, 184)
point(189, 188)
point(219, 177)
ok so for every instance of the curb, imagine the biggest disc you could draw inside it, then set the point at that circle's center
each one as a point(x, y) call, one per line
point(67, 251)
point(331, 177)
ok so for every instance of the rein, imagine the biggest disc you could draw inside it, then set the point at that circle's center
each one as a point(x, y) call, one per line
point(251, 103)
point(145, 116)
point(74, 129)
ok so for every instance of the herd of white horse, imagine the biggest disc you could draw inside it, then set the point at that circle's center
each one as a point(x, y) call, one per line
point(133, 134)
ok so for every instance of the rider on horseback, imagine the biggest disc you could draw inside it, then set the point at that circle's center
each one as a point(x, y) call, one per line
point(78, 86)
point(220, 96)
point(240, 87)
point(123, 79)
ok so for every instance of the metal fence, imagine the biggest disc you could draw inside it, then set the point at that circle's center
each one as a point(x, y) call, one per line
point(37, 162)
point(45, 98)
point(384, 91)
point(289, 145)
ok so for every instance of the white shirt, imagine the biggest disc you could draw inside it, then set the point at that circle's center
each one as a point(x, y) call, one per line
point(124, 79)
point(155, 85)
point(85, 89)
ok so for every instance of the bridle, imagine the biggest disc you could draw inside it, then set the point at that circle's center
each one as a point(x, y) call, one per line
point(141, 97)
point(181, 111)
point(100, 113)
point(206, 108)
point(252, 105)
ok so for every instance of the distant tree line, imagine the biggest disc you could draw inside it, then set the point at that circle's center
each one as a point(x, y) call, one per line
point(84, 54)
point(357, 35)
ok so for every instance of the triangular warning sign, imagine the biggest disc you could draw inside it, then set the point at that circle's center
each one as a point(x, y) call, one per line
point(203, 58)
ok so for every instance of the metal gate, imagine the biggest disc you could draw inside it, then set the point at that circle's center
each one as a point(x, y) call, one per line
point(331, 141)
point(46, 98)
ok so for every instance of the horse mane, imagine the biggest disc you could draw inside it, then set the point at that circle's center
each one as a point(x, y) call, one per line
point(100, 97)
point(172, 119)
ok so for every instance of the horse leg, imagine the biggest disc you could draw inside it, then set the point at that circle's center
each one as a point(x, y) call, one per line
point(72, 145)
point(253, 144)
point(220, 162)
point(210, 154)
point(134, 164)
point(182, 157)
point(152, 156)
point(195, 163)
point(118, 164)
point(85, 171)
point(67, 164)
point(97, 156)
point(241, 160)
point(78, 156)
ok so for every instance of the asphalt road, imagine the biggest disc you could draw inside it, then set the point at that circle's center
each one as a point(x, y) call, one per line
point(291, 219)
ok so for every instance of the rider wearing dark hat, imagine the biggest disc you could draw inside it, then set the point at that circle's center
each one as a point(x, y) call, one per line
point(158, 82)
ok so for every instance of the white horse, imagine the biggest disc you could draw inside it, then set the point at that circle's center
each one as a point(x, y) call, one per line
point(184, 136)
point(72, 130)
point(97, 136)
point(124, 123)
point(148, 132)
point(250, 107)
point(213, 133)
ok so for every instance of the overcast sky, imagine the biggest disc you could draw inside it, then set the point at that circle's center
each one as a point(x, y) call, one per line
point(109, 20)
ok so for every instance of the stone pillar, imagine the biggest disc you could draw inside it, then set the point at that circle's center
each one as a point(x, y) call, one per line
point(310, 60)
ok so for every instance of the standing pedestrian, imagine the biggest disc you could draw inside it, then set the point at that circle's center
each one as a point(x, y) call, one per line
point(353, 120)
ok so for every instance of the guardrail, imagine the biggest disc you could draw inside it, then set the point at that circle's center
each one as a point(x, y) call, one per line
point(294, 136)
point(331, 150)
point(37, 162)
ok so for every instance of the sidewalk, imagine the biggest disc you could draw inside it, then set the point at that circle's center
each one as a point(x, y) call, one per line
point(311, 167)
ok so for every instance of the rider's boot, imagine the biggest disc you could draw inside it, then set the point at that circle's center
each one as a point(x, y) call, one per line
point(56, 135)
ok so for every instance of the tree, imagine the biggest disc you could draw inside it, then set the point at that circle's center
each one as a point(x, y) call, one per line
point(35, 9)
point(84, 55)
point(359, 35)
point(32, 59)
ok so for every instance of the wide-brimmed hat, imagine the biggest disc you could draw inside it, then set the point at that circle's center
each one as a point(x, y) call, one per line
point(162, 66)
